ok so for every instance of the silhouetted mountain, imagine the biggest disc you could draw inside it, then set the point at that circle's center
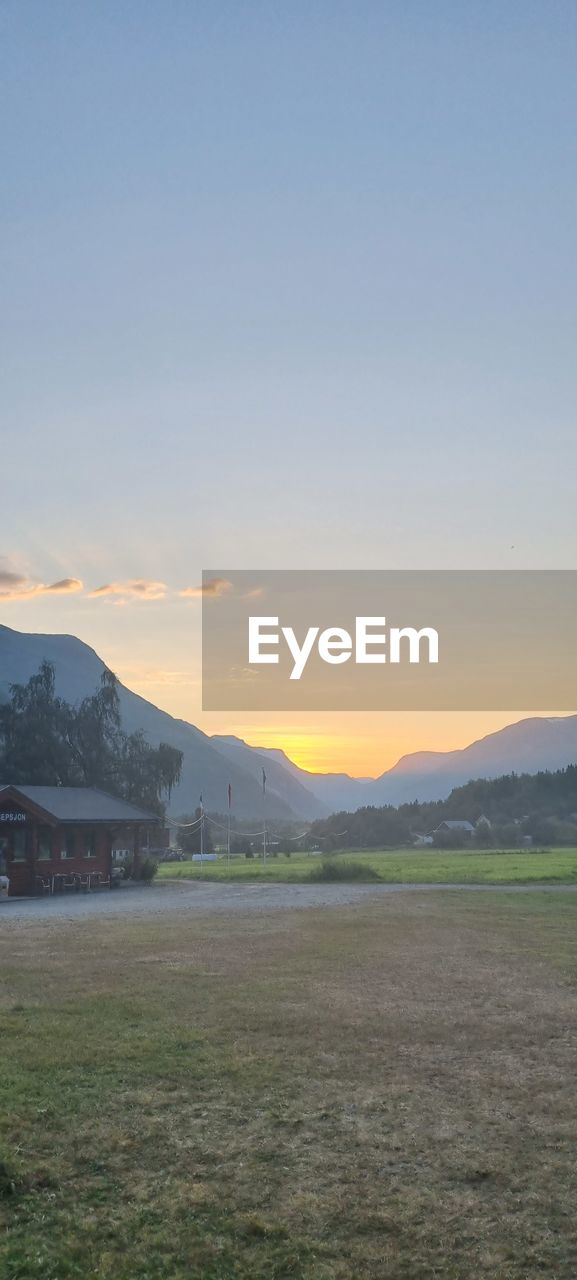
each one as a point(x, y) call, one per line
point(210, 763)
point(525, 747)
point(282, 777)
point(205, 769)
point(334, 790)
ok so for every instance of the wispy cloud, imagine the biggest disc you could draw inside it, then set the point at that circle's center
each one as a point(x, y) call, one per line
point(17, 586)
point(212, 589)
point(132, 589)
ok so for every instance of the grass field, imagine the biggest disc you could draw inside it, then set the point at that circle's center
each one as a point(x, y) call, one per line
point(378, 1092)
point(401, 865)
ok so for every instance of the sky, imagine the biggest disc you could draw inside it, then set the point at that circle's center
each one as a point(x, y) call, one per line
point(284, 286)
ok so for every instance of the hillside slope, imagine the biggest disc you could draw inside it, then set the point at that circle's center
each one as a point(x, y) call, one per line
point(78, 670)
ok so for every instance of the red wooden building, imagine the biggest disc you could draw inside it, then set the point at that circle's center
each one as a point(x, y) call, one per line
point(62, 836)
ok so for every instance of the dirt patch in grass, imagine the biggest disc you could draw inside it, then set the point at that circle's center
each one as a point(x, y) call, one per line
point(385, 1090)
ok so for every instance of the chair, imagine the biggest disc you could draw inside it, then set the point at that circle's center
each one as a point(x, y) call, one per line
point(43, 885)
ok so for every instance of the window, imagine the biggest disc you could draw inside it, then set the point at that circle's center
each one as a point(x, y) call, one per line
point(44, 853)
point(90, 844)
point(69, 850)
point(19, 846)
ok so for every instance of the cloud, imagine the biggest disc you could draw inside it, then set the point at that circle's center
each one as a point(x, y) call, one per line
point(213, 589)
point(66, 586)
point(133, 588)
point(243, 675)
point(10, 581)
point(16, 586)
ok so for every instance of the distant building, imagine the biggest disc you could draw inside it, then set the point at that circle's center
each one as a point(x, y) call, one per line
point(421, 841)
point(62, 837)
point(451, 824)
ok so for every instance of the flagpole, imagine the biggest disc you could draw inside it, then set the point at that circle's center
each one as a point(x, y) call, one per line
point(228, 829)
point(263, 816)
point(201, 832)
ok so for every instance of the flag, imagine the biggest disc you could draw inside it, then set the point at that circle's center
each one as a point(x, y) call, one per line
point(263, 782)
point(229, 796)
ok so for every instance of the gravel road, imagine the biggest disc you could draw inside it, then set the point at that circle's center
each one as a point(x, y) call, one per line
point(160, 899)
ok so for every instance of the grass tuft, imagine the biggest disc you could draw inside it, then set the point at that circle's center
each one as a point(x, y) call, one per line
point(9, 1182)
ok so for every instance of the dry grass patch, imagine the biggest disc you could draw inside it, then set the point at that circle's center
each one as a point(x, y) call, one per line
point(382, 1090)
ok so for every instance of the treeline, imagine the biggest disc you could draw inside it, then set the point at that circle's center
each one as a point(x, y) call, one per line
point(542, 806)
point(46, 742)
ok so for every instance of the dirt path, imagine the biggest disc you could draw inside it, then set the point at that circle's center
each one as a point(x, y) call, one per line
point(217, 898)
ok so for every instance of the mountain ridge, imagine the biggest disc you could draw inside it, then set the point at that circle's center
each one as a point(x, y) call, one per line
point(212, 762)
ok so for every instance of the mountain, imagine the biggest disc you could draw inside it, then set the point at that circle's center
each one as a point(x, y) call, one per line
point(525, 747)
point(205, 769)
point(211, 763)
point(334, 790)
point(282, 776)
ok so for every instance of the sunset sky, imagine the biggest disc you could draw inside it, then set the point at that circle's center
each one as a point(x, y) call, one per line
point(285, 286)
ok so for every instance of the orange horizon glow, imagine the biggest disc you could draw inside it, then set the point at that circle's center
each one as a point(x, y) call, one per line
point(362, 744)
point(359, 756)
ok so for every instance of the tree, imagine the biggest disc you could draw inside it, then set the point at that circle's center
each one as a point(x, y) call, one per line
point(483, 836)
point(188, 837)
point(508, 836)
point(95, 737)
point(46, 742)
point(448, 838)
point(241, 847)
point(33, 733)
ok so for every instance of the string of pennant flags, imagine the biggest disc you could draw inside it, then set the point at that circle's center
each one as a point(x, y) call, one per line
point(221, 826)
point(264, 834)
point(190, 826)
point(198, 824)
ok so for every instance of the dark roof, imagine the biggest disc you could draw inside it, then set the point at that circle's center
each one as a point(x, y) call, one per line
point(81, 804)
point(456, 825)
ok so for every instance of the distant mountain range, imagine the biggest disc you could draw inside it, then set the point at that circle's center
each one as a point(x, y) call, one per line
point(211, 763)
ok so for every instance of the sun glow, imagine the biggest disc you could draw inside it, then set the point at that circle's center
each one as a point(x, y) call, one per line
point(361, 745)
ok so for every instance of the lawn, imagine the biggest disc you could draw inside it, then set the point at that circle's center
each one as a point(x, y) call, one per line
point(407, 866)
point(379, 1091)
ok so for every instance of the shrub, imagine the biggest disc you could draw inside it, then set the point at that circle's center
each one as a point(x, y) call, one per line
point(147, 870)
point(330, 870)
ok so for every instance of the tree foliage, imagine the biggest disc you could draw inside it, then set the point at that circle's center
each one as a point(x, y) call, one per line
point(542, 806)
point(188, 836)
point(46, 742)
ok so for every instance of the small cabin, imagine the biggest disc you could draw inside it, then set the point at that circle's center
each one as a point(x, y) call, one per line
point(56, 837)
point(464, 828)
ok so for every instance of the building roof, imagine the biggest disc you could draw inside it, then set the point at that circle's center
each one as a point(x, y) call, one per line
point(456, 824)
point(79, 804)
